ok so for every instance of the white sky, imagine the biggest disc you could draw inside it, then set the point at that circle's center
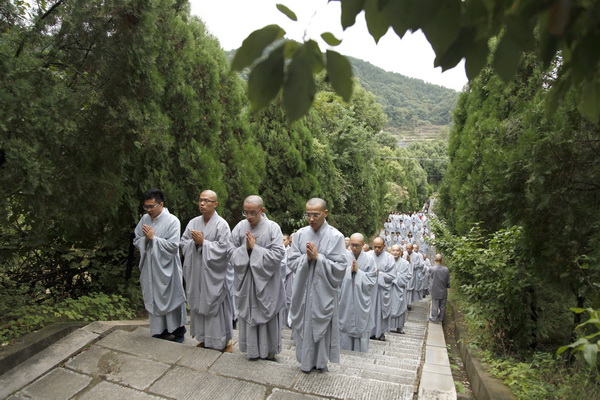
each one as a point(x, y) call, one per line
point(231, 21)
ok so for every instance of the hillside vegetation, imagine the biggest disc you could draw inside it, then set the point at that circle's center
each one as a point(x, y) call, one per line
point(408, 102)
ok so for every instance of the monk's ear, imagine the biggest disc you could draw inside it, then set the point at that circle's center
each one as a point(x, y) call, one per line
point(326, 212)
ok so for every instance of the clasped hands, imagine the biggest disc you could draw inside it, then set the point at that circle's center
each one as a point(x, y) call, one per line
point(148, 231)
point(311, 251)
point(197, 237)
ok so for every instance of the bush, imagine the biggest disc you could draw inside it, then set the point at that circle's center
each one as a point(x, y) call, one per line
point(26, 317)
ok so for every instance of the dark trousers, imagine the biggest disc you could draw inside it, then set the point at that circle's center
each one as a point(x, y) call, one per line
point(438, 309)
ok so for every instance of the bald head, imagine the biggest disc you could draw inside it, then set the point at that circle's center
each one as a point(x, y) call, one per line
point(378, 245)
point(396, 251)
point(317, 202)
point(209, 194)
point(438, 258)
point(357, 241)
point(254, 200)
point(409, 248)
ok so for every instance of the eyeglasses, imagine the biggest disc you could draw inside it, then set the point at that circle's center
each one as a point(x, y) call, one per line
point(311, 215)
point(206, 201)
point(250, 213)
point(150, 206)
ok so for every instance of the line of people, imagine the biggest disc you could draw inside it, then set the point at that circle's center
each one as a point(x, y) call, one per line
point(265, 280)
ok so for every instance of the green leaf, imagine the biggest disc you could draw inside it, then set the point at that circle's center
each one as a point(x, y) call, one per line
point(377, 21)
point(299, 86)
point(444, 28)
point(350, 9)
point(577, 310)
point(254, 45)
point(476, 58)
point(589, 102)
point(507, 57)
point(330, 39)
point(289, 13)
point(590, 353)
point(456, 51)
point(315, 56)
point(339, 71)
point(266, 79)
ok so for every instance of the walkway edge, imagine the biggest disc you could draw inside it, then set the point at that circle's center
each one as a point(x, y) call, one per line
point(436, 377)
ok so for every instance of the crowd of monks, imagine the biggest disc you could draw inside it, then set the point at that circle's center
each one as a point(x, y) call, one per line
point(331, 291)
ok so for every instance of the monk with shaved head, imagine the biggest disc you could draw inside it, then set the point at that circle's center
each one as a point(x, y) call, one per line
point(256, 252)
point(204, 246)
point(318, 257)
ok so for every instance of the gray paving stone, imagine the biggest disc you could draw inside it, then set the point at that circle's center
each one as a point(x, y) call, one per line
point(44, 361)
point(58, 384)
point(109, 391)
point(118, 367)
point(145, 347)
point(184, 383)
point(344, 387)
point(279, 394)
point(260, 371)
point(436, 386)
point(199, 359)
point(436, 355)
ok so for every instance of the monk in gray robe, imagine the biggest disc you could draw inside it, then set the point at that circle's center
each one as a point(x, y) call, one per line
point(356, 297)
point(255, 252)
point(157, 239)
point(415, 292)
point(204, 247)
point(399, 294)
point(319, 259)
point(382, 298)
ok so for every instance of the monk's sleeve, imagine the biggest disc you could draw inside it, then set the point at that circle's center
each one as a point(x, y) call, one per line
point(169, 244)
point(266, 260)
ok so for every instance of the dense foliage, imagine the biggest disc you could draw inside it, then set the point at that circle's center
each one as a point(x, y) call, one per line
point(522, 203)
point(407, 102)
point(102, 99)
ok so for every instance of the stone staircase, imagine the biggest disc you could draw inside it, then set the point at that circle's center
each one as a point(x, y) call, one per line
point(121, 364)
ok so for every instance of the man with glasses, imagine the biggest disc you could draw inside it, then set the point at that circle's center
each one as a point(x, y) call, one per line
point(204, 247)
point(157, 238)
point(356, 297)
point(319, 258)
point(255, 252)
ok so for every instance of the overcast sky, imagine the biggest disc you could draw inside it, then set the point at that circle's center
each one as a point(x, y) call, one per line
point(231, 21)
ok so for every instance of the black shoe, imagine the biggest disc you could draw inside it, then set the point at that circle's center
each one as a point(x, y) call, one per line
point(382, 337)
point(235, 324)
point(408, 308)
point(161, 335)
point(373, 337)
point(179, 334)
point(400, 331)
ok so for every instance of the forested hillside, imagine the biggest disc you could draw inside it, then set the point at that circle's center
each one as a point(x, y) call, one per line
point(407, 102)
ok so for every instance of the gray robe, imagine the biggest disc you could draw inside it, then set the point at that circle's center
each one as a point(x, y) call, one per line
point(355, 303)
point(399, 293)
point(205, 271)
point(258, 284)
point(160, 272)
point(382, 297)
point(314, 310)
point(415, 285)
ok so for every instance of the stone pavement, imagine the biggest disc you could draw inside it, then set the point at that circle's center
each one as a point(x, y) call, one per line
point(119, 360)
